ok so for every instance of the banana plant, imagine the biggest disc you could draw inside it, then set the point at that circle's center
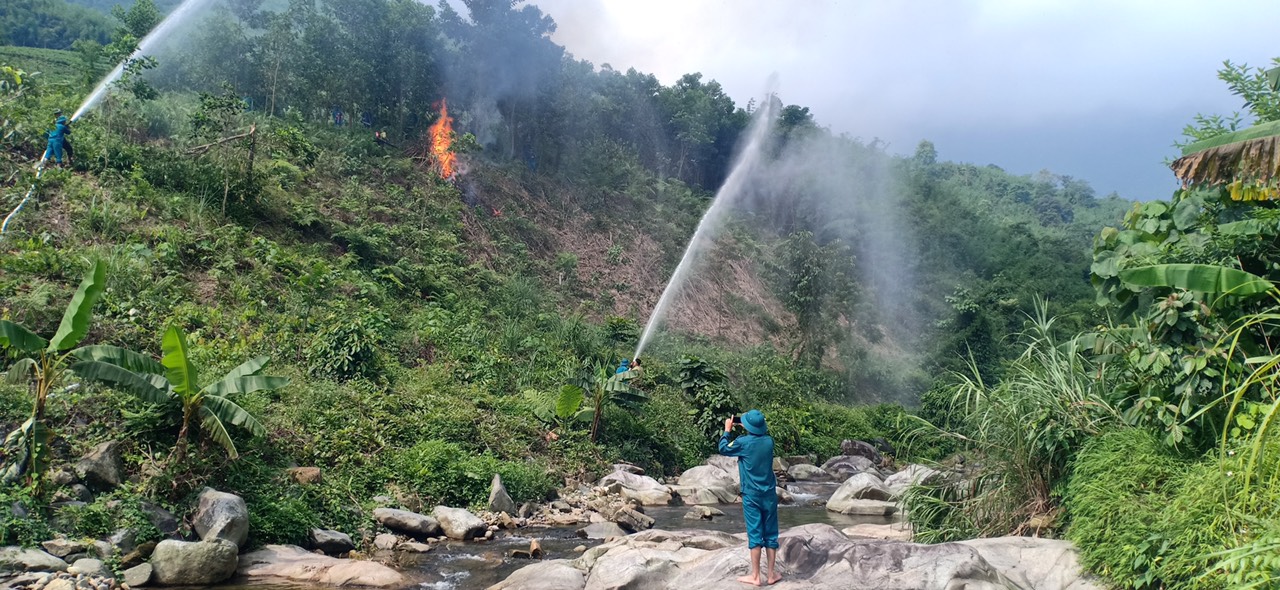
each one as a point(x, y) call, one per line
point(174, 382)
point(562, 411)
point(40, 364)
point(599, 385)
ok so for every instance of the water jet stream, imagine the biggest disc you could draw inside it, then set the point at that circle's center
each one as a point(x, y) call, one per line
point(147, 43)
point(748, 159)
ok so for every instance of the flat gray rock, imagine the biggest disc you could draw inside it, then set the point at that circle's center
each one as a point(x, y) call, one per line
point(809, 556)
point(19, 559)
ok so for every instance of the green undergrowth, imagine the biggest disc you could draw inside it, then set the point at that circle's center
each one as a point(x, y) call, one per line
point(1145, 517)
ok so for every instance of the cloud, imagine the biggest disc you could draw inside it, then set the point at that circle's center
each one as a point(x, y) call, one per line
point(991, 81)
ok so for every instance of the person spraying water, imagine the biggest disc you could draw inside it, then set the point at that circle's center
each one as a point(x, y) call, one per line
point(59, 141)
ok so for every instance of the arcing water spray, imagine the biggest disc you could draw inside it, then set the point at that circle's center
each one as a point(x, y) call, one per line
point(757, 137)
point(182, 13)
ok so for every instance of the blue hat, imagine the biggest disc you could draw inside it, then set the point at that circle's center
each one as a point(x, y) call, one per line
point(753, 421)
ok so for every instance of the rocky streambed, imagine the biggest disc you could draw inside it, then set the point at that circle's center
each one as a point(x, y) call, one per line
point(841, 524)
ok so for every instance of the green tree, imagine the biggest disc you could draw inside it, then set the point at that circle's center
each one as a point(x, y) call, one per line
point(139, 19)
point(174, 382)
point(815, 288)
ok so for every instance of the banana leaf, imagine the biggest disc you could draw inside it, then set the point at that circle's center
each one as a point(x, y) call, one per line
point(75, 321)
point(1203, 278)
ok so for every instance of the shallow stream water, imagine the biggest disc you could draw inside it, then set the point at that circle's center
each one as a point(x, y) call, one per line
point(478, 565)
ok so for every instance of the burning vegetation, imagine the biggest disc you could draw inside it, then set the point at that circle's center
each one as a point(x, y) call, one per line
point(441, 146)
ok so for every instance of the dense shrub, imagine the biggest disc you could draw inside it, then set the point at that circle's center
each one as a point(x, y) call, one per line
point(1120, 488)
point(444, 473)
point(20, 523)
point(817, 428)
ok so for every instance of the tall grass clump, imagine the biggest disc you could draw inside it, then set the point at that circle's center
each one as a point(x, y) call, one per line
point(1250, 455)
point(1023, 431)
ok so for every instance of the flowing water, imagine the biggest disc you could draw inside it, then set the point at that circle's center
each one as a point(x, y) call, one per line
point(733, 188)
point(148, 43)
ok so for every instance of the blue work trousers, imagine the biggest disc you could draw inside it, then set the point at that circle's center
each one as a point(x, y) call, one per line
point(761, 513)
point(54, 151)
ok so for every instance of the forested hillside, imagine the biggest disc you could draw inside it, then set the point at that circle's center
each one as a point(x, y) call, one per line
point(275, 185)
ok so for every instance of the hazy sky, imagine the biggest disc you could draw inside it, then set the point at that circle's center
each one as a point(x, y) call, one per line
point(1097, 90)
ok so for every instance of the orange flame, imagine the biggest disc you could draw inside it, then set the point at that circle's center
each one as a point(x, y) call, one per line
point(441, 140)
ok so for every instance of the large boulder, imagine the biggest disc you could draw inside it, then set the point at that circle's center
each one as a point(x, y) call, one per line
point(499, 499)
point(1044, 564)
point(220, 515)
point(708, 476)
point(18, 559)
point(179, 563)
point(601, 530)
point(459, 524)
point(331, 542)
point(810, 556)
point(557, 574)
point(899, 482)
point(101, 468)
point(728, 464)
point(803, 472)
point(409, 523)
point(862, 486)
point(632, 521)
point(641, 488)
point(861, 449)
point(843, 467)
point(287, 563)
point(854, 507)
point(707, 484)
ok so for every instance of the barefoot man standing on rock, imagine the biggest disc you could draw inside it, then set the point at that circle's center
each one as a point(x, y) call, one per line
point(754, 451)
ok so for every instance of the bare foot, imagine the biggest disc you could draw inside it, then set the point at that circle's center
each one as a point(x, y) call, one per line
point(774, 578)
point(752, 580)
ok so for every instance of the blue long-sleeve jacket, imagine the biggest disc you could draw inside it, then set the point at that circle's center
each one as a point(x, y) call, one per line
point(755, 462)
point(61, 129)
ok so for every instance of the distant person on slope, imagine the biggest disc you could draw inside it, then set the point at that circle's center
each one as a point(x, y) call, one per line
point(754, 451)
point(59, 140)
point(623, 367)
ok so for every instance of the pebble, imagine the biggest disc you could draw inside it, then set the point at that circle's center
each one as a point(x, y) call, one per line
point(580, 549)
